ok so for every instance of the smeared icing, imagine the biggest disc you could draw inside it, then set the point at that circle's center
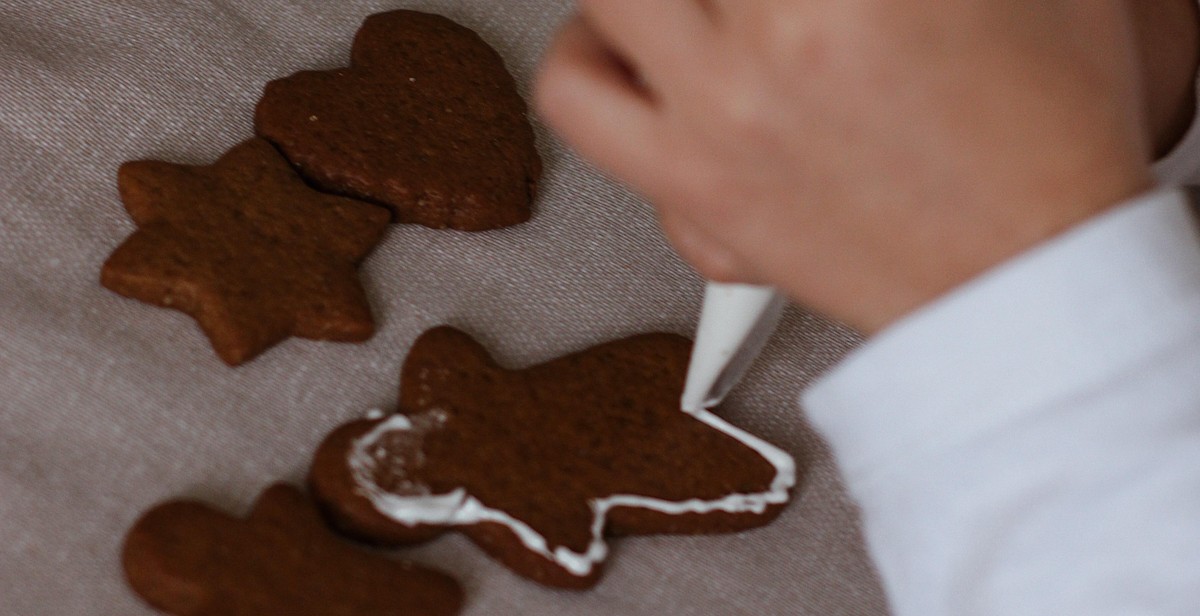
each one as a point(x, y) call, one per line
point(458, 508)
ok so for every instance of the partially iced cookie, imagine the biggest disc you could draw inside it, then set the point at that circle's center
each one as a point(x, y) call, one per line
point(538, 465)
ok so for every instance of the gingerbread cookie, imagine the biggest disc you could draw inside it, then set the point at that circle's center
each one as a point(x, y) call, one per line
point(538, 465)
point(426, 120)
point(185, 558)
point(247, 249)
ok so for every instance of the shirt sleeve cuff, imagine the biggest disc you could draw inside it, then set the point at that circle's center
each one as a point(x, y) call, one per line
point(1084, 307)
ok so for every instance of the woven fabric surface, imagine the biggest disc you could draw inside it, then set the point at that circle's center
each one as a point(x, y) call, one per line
point(108, 406)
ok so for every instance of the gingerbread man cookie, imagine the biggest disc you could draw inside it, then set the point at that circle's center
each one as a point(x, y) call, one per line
point(538, 465)
point(185, 558)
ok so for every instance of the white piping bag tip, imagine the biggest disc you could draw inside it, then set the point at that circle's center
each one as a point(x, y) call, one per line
point(735, 323)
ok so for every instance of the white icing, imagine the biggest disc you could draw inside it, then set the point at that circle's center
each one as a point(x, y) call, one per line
point(459, 508)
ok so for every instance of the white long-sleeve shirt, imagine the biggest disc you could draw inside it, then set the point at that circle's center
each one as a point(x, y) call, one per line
point(1030, 443)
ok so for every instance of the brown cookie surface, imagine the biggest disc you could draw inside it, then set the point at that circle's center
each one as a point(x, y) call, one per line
point(537, 465)
point(426, 120)
point(247, 249)
point(185, 558)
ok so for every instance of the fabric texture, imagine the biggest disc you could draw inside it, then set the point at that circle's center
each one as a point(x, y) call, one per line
point(1030, 444)
point(108, 406)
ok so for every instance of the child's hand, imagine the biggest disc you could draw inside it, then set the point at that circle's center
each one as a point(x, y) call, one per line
point(864, 155)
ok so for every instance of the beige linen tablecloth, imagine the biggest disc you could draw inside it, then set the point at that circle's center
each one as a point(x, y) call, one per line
point(108, 406)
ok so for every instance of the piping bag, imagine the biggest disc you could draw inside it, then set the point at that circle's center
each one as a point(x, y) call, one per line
point(735, 322)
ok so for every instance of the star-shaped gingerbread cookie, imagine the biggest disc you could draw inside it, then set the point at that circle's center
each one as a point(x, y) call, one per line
point(426, 120)
point(538, 465)
point(247, 249)
point(186, 558)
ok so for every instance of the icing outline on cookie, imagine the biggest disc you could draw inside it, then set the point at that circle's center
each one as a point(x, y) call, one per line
point(458, 508)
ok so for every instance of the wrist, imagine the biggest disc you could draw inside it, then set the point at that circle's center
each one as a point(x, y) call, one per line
point(1168, 41)
point(955, 254)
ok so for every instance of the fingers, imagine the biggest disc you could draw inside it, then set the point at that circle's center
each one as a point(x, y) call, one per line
point(657, 38)
point(588, 96)
point(588, 93)
point(705, 253)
